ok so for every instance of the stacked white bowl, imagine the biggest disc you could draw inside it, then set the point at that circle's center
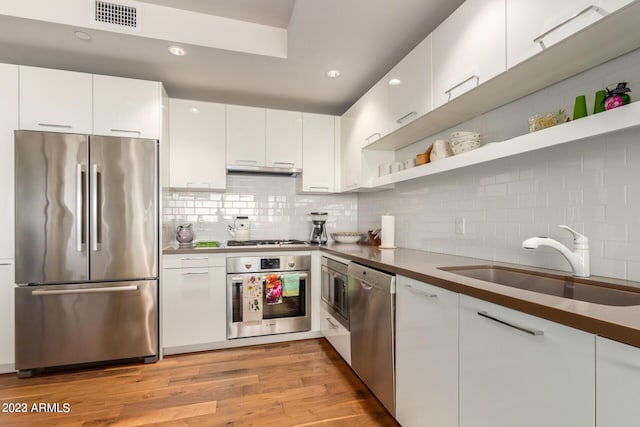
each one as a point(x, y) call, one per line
point(464, 141)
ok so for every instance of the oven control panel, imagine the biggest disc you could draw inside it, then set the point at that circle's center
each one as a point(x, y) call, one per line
point(269, 263)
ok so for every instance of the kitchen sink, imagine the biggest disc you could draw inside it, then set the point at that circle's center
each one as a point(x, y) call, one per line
point(550, 284)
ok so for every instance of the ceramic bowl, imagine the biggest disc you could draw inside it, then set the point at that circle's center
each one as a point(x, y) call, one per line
point(459, 147)
point(347, 236)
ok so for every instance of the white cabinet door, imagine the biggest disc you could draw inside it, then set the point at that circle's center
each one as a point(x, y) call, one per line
point(194, 304)
point(426, 355)
point(409, 86)
point(534, 26)
point(245, 135)
point(520, 370)
point(337, 335)
point(374, 115)
point(7, 341)
point(127, 107)
point(55, 100)
point(468, 48)
point(283, 139)
point(8, 123)
point(318, 153)
point(198, 140)
point(617, 384)
point(351, 149)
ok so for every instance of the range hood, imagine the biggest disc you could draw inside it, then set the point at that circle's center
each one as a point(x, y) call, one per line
point(263, 170)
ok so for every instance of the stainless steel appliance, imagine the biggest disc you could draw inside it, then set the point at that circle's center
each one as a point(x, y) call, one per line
point(372, 320)
point(335, 296)
point(292, 314)
point(86, 249)
point(318, 231)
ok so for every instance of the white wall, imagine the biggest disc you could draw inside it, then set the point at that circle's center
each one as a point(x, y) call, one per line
point(591, 185)
point(271, 202)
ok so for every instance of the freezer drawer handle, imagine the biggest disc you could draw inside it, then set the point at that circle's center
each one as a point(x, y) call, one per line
point(535, 332)
point(238, 279)
point(540, 38)
point(109, 289)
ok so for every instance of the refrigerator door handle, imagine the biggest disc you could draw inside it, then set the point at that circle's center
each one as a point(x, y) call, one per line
point(96, 218)
point(86, 291)
point(80, 217)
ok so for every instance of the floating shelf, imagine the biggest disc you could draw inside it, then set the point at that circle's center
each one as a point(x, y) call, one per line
point(592, 126)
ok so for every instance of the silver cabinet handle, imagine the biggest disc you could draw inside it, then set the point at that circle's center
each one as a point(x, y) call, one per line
point(95, 217)
point(198, 184)
point(535, 332)
point(419, 292)
point(194, 258)
point(372, 135)
point(285, 163)
point(457, 85)
point(195, 273)
point(331, 324)
point(137, 132)
point(319, 188)
point(109, 289)
point(53, 125)
point(540, 38)
point(406, 116)
point(80, 218)
point(5, 264)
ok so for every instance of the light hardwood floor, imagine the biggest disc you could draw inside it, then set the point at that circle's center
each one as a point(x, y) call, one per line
point(299, 383)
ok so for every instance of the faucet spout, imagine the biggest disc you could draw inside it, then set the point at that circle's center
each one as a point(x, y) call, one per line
point(578, 258)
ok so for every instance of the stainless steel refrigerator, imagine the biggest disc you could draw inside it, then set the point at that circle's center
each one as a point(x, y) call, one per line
point(86, 249)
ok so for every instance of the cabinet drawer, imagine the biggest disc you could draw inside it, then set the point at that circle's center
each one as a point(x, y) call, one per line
point(337, 335)
point(193, 260)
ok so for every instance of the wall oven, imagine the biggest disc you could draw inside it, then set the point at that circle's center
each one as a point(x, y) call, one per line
point(268, 294)
point(335, 297)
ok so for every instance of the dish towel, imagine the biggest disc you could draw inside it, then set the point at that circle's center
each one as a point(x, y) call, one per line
point(290, 285)
point(274, 289)
point(252, 299)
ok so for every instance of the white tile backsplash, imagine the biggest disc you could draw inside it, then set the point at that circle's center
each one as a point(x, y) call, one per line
point(590, 185)
point(271, 202)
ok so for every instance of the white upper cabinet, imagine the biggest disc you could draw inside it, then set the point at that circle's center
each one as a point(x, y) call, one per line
point(469, 48)
point(318, 153)
point(520, 370)
point(534, 26)
point(8, 123)
point(409, 87)
point(351, 148)
point(197, 145)
point(374, 116)
point(283, 139)
point(127, 107)
point(55, 100)
point(245, 135)
point(617, 384)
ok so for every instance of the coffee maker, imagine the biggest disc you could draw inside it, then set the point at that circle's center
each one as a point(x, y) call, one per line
point(318, 232)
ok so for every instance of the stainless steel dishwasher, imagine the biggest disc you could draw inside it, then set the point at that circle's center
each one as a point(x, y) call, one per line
point(372, 312)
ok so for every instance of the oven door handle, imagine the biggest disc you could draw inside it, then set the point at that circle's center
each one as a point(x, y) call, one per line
point(238, 279)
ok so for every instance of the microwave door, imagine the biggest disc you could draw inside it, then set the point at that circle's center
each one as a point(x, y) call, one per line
point(123, 208)
point(51, 210)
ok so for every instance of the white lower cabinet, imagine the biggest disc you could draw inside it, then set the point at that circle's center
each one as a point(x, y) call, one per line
point(7, 341)
point(520, 370)
point(337, 335)
point(617, 384)
point(193, 300)
point(426, 355)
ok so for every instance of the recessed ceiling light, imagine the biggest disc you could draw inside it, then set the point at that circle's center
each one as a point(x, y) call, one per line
point(395, 82)
point(177, 50)
point(194, 110)
point(333, 74)
point(82, 35)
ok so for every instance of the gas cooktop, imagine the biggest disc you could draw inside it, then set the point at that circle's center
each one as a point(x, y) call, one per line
point(267, 243)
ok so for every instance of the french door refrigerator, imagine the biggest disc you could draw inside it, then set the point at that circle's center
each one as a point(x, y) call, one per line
point(86, 249)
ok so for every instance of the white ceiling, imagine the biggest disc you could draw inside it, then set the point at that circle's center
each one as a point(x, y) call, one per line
point(362, 38)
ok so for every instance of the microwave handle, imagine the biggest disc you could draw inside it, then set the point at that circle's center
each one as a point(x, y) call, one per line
point(238, 279)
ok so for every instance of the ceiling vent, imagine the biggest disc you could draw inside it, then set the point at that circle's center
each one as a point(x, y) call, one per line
point(124, 15)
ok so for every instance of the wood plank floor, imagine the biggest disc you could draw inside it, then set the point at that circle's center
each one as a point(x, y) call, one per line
point(299, 383)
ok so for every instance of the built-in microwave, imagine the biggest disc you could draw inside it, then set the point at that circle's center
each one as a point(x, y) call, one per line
point(335, 296)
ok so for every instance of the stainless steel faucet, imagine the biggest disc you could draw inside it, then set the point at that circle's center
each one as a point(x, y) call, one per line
point(578, 258)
